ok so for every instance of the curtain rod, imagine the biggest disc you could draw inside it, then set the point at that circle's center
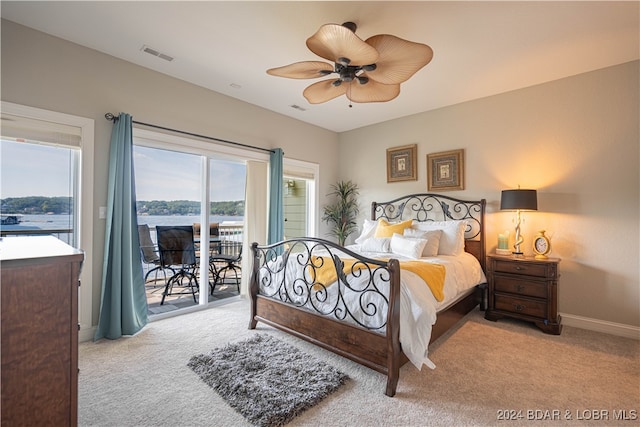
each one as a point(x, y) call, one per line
point(114, 118)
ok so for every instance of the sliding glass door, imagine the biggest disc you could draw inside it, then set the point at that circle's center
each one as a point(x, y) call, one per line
point(188, 181)
point(227, 183)
point(184, 186)
point(168, 192)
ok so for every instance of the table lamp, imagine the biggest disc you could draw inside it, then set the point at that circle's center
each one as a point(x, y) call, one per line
point(519, 200)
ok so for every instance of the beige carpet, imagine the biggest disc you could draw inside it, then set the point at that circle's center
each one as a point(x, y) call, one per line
point(484, 370)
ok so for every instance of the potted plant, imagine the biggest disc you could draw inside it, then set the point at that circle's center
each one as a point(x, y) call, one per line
point(342, 214)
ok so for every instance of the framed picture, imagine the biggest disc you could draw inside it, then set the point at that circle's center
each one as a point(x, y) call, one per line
point(401, 163)
point(445, 171)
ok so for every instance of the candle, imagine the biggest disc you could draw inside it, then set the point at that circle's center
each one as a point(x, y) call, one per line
point(503, 241)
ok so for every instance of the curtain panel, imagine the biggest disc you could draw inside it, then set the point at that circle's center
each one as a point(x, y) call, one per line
point(276, 204)
point(255, 216)
point(123, 303)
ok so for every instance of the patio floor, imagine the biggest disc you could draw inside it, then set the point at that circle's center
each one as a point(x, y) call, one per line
point(178, 301)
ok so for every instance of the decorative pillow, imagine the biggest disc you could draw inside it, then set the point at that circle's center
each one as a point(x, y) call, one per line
point(407, 246)
point(368, 230)
point(432, 237)
point(376, 244)
point(384, 229)
point(452, 238)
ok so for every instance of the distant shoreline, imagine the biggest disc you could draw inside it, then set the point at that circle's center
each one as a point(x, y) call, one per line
point(40, 205)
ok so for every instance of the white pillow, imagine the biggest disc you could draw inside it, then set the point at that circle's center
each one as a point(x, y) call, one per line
point(376, 244)
point(452, 238)
point(368, 230)
point(432, 237)
point(407, 246)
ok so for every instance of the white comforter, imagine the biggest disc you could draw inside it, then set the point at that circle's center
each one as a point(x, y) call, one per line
point(418, 306)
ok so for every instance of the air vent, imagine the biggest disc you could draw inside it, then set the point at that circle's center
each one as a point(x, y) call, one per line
point(297, 107)
point(154, 52)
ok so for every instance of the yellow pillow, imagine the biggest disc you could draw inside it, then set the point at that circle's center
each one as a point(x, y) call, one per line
point(385, 229)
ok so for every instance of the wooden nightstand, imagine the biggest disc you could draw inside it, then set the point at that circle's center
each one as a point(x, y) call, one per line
point(524, 288)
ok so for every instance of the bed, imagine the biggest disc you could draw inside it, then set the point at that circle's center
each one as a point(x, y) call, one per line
point(353, 300)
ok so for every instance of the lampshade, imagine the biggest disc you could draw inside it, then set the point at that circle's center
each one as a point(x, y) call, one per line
point(519, 199)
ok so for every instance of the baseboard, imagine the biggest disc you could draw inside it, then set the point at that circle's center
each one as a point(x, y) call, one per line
point(603, 326)
point(86, 334)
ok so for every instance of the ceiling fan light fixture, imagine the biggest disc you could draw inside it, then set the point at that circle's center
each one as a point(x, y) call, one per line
point(337, 83)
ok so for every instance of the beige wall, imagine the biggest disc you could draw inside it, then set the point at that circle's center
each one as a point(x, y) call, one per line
point(46, 72)
point(575, 140)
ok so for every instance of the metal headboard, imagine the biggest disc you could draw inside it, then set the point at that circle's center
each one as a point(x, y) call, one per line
point(436, 207)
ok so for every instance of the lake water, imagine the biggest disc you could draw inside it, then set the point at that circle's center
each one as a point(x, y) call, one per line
point(57, 222)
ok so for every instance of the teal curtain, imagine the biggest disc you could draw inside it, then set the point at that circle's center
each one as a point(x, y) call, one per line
point(276, 206)
point(123, 304)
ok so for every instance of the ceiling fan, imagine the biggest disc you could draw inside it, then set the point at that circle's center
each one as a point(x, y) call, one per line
point(367, 71)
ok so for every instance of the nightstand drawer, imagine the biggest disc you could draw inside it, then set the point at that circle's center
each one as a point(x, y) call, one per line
point(516, 285)
point(529, 269)
point(529, 307)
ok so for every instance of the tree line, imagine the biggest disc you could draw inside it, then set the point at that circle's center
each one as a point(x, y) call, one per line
point(35, 205)
point(189, 207)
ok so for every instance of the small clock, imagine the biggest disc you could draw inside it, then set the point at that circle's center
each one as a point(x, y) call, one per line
point(541, 245)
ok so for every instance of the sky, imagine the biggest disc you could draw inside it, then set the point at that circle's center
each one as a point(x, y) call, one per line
point(40, 170)
point(34, 170)
point(169, 175)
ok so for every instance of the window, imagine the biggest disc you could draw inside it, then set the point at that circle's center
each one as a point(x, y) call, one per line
point(39, 188)
point(300, 198)
point(43, 158)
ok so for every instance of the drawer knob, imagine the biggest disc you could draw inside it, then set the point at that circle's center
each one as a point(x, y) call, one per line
point(519, 268)
point(519, 288)
point(519, 307)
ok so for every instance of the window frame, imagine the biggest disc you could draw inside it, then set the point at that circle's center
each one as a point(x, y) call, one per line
point(83, 201)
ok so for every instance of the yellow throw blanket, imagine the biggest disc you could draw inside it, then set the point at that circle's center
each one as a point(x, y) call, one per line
point(432, 274)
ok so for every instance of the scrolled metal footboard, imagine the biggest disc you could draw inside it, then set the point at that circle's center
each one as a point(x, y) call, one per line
point(326, 279)
point(356, 315)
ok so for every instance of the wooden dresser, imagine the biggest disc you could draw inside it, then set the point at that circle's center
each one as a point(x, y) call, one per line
point(524, 288)
point(39, 292)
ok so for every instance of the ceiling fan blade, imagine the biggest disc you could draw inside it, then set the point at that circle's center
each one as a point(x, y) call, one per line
point(333, 41)
point(302, 70)
point(372, 92)
point(323, 91)
point(399, 59)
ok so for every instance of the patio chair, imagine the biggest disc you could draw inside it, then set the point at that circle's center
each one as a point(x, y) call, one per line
point(150, 255)
point(230, 261)
point(214, 237)
point(177, 251)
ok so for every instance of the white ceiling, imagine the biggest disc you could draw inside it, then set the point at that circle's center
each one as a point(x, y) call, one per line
point(480, 48)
